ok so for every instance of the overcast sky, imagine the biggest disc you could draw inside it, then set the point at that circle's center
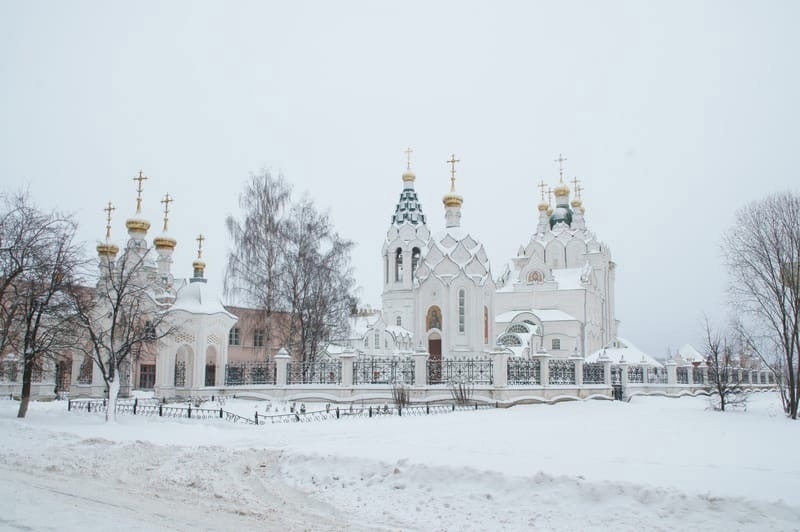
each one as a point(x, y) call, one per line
point(673, 114)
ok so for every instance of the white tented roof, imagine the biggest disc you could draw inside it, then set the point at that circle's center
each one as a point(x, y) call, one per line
point(199, 298)
point(621, 350)
point(690, 354)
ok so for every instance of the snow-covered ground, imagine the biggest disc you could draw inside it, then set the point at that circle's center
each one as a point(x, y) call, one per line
point(654, 463)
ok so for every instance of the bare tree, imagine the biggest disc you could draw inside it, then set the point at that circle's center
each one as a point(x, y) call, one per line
point(724, 370)
point(39, 258)
point(119, 320)
point(318, 283)
point(286, 257)
point(254, 262)
point(762, 251)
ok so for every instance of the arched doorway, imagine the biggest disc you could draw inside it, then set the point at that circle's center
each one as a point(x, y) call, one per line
point(434, 358)
point(183, 367)
point(211, 366)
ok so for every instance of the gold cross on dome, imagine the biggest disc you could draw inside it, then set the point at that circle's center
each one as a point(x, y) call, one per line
point(549, 196)
point(166, 201)
point(560, 162)
point(141, 177)
point(575, 182)
point(452, 162)
point(200, 239)
point(109, 209)
point(408, 151)
point(542, 188)
point(578, 190)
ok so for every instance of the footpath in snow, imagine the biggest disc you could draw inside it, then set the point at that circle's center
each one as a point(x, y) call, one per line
point(654, 463)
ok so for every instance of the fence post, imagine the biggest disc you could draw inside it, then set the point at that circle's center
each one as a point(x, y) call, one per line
point(160, 412)
point(281, 367)
point(400, 411)
point(606, 361)
point(337, 412)
point(544, 367)
point(220, 412)
point(256, 417)
point(577, 359)
point(347, 357)
point(420, 368)
point(499, 367)
point(672, 372)
point(427, 409)
point(135, 405)
point(69, 405)
point(190, 411)
point(370, 411)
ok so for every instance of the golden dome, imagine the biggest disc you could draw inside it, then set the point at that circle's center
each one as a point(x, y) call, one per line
point(165, 242)
point(542, 207)
point(452, 200)
point(576, 203)
point(107, 250)
point(561, 190)
point(137, 224)
point(549, 211)
point(409, 177)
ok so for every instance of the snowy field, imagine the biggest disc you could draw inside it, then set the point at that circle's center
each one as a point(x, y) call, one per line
point(653, 463)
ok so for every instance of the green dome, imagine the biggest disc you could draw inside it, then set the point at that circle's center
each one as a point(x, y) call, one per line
point(562, 213)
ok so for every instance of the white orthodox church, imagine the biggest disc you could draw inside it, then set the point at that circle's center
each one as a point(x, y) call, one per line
point(439, 292)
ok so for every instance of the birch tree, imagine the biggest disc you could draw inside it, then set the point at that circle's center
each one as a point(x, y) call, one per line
point(762, 251)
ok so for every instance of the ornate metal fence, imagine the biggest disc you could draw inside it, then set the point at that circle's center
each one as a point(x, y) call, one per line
point(467, 370)
point(322, 372)
point(378, 370)
point(247, 373)
point(682, 375)
point(594, 373)
point(616, 374)
point(180, 374)
point(524, 370)
point(635, 374)
point(698, 376)
point(656, 376)
point(562, 371)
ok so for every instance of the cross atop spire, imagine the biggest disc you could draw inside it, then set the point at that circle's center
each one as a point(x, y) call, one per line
point(575, 184)
point(200, 239)
point(542, 186)
point(578, 190)
point(452, 162)
point(560, 162)
point(408, 151)
point(166, 201)
point(109, 209)
point(141, 177)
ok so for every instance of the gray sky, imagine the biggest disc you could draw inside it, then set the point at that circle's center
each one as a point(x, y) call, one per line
point(673, 114)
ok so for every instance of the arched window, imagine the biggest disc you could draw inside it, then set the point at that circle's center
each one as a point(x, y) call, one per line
point(433, 319)
point(518, 328)
point(414, 261)
point(398, 265)
point(398, 321)
point(377, 343)
point(485, 325)
point(461, 310)
point(386, 269)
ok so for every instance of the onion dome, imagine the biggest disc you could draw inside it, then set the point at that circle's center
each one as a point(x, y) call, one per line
point(543, 207)
point(164, 241)
point(409, 177)
point(137, 223)
point(561, 190)
point(576, 203)
point(107, 249)
point(198, 265)
point(561, 214)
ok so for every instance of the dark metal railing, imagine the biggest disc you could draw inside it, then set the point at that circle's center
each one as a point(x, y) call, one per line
point(594, 373)
point(377, 370)
point(561, 371)
point(246, 373)
point(523, 371)
point(322, 372)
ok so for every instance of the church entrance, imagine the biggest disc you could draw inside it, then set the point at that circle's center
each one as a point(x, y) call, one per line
point(434, 360)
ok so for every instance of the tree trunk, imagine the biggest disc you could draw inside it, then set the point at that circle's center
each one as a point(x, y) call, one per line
point(113, 392)
point(25, 396)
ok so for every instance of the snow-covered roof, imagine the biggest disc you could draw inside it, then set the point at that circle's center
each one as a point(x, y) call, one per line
point(199, 298)
point(451, 251)
point(568, 278)
point(690, 354)
point(399, 332)
point(544, 315)
point(361, 324)
point(621, 350)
